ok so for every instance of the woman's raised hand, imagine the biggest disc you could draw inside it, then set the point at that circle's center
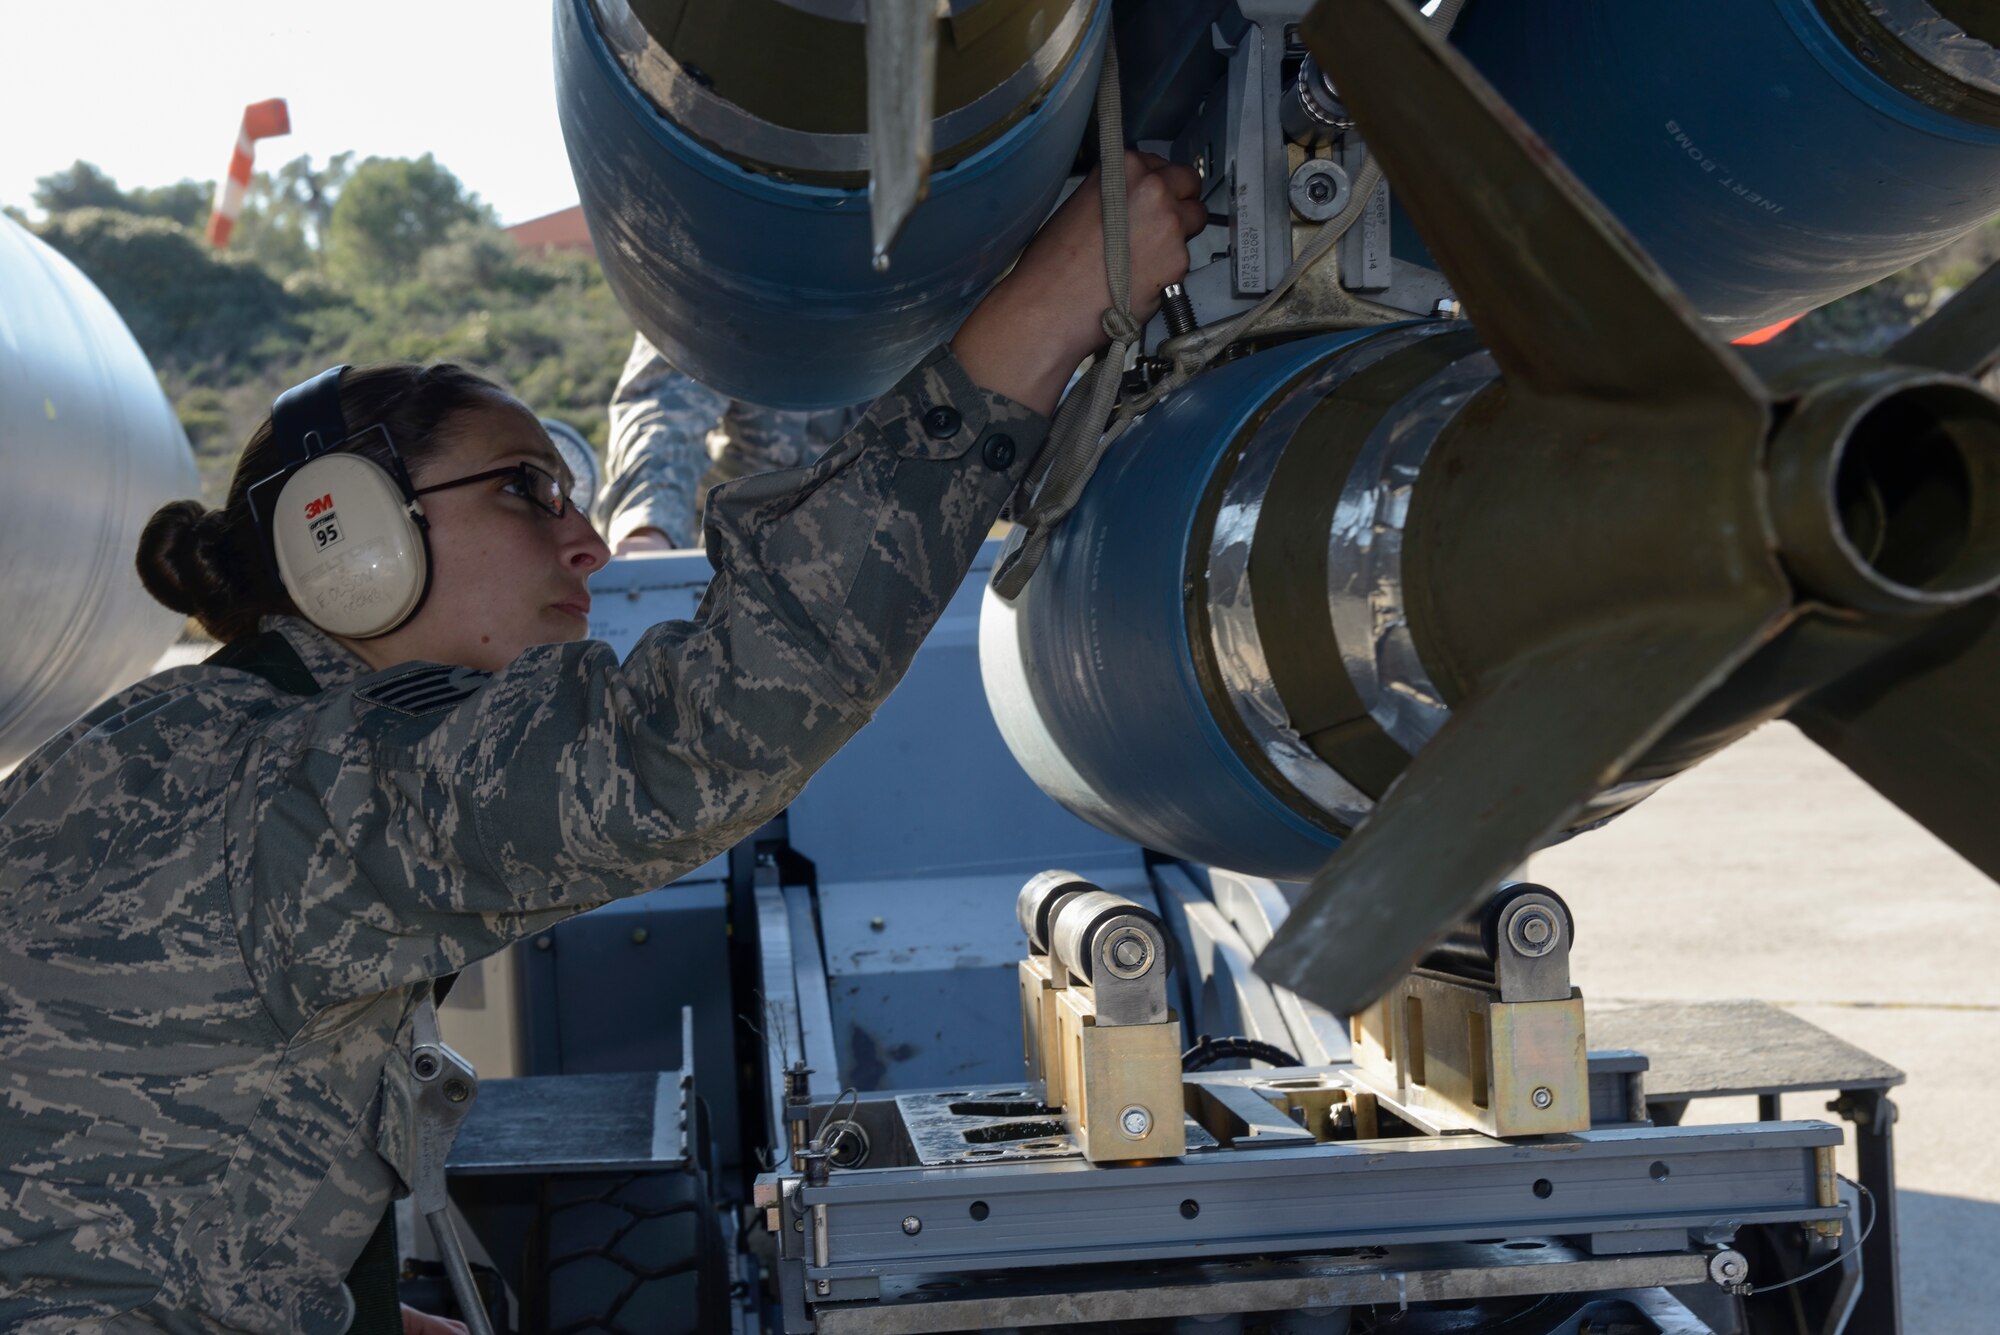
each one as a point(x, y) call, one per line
point(1030, 332)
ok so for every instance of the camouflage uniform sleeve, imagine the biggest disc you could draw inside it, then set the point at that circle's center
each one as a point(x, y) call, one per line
point(763, 440)
point(757, 439)
point(405, 839)
point(38, 762)
point(660, 420)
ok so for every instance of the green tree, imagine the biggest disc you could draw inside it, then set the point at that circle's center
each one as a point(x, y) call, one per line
point(389, 213)
point(184, 303)
point(474, 257)
point(187, 202)
point(84, 185)
point(81, 185)
point(285, 214)
point(424, 273)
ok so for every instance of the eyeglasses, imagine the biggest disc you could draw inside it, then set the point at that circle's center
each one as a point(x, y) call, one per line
point(537, 486)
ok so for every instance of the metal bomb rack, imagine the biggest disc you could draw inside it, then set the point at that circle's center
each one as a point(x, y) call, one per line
point(1096, 1029)
point(1472, 1151)
point(1488, 1034)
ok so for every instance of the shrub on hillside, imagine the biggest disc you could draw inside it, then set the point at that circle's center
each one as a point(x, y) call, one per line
point(183, 302)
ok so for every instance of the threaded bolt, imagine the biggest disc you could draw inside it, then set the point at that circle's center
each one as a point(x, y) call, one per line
point(1174, 304)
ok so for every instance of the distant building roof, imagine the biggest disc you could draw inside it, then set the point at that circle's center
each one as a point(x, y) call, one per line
point(562, 230)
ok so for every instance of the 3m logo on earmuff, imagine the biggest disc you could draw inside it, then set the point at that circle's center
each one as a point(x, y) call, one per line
point(325, 523)
point(305, 536)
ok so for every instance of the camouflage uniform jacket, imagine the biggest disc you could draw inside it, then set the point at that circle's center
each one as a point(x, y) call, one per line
point(218, 900)
point(661, 465)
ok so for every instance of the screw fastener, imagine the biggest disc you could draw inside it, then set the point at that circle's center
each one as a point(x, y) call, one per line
point(1543, 1096)
point(1730, 1270)
point(1318, 190)
point(1135, 1122)
point(912, 1225)
point(1533, 931)
point(457, 1090)
point(1128, 952)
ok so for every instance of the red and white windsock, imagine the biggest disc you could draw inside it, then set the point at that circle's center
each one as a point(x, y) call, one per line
point(261, 120)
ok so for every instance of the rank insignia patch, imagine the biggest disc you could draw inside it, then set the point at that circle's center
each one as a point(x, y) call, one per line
point(425, 690)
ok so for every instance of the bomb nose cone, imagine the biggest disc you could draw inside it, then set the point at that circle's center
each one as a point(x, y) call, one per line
point(722, 151)
point(91, 449)
point(1771, 157)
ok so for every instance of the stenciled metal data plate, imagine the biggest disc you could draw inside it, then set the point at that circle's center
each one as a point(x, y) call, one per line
point(989, 1126)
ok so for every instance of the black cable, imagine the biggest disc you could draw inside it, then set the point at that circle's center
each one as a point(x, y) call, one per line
point(1207, 1051)
point(1838, 1256)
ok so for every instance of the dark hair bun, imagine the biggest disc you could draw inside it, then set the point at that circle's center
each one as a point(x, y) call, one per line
point(170, 555)
point(186, 563)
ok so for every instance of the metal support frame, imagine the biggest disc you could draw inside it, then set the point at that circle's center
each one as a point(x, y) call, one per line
point(1698, 1051)
point(1488, 1035)
point(1433, 1272)
point(796, 1023)
point(1064, 1213)
point(997, 1240)
point(1456, 1056)
point(1260, 215)
point(524, 1134)
point(1095, 1019)
point(1880, 1308)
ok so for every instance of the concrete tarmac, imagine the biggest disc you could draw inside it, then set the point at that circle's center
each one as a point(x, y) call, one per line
point(1772, 873)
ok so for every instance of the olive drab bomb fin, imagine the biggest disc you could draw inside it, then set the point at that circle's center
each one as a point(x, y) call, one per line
point(1922, 727)
point(1964, 337)
point(1683, 538)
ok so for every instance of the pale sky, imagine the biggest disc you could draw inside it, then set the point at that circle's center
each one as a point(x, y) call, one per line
point(153, 90)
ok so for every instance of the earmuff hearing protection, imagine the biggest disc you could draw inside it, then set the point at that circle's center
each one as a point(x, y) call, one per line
point(346, 535)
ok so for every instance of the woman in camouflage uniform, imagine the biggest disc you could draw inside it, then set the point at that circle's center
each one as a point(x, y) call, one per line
point(223, 891)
